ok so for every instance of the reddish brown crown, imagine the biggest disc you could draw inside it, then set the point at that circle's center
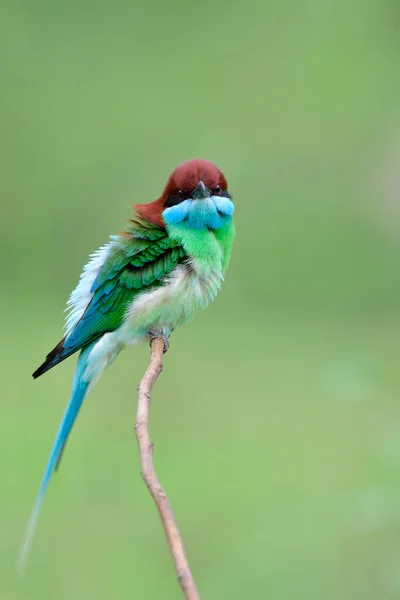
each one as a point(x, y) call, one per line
point(185, 178)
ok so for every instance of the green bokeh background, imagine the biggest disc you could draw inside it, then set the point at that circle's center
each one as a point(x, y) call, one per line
point(276, 421)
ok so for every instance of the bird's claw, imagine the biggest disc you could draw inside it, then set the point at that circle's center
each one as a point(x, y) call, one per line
point(156, 334)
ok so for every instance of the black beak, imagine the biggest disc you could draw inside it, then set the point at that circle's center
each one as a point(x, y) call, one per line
point(200, 192)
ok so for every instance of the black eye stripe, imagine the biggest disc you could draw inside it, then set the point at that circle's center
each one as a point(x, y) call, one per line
point(173, 200)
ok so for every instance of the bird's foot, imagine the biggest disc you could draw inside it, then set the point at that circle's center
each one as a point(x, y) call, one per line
point(156, 334)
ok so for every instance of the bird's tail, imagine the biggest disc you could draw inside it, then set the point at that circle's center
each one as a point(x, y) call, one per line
point(80, 388)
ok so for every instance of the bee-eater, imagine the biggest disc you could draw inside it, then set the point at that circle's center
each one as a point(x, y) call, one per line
point(169, 262)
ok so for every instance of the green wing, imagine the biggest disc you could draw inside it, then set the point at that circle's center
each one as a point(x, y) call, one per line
point(138, 260)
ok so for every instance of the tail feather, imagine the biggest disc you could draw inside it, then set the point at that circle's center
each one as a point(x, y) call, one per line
point(52, 359)
point(63, 350)
point(79, 391)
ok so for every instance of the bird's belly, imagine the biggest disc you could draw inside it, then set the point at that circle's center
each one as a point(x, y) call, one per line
point(174, 303)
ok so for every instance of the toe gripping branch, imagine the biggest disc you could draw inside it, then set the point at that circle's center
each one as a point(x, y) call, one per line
point(156, 334)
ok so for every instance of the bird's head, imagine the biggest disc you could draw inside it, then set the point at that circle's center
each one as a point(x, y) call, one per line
point(196, 196)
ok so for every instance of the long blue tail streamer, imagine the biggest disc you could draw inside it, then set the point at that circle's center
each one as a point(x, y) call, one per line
point(79, 390)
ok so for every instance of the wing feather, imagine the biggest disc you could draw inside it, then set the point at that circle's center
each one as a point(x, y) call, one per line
point(133, 262)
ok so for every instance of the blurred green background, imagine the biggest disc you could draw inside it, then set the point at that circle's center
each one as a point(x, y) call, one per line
point(276, 421)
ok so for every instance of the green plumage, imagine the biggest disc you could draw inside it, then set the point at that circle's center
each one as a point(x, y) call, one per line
point(137, 261)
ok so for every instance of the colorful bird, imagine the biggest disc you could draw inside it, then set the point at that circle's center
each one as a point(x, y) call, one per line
point(169, 262)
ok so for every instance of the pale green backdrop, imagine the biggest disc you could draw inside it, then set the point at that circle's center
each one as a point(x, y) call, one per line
point(276, 421)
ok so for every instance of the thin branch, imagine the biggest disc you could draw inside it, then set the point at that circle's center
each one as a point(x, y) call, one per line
point(175, 542)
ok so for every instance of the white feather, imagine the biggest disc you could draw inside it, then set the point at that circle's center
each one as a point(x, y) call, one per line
point(82, 295)
point(174, 303)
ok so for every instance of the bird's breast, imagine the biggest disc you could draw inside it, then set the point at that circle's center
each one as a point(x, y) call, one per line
point(188, 288)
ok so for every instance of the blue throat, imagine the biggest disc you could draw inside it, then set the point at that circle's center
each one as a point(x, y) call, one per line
point(211, 213)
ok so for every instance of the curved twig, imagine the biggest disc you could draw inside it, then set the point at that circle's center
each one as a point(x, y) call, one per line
point(175, 542)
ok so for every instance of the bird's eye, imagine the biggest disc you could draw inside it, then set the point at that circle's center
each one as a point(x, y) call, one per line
point(181, 194)
point(217, 189)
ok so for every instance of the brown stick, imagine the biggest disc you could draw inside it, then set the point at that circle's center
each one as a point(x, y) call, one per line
point(175, 542)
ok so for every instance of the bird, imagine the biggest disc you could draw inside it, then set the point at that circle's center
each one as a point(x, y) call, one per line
point(169, 262)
